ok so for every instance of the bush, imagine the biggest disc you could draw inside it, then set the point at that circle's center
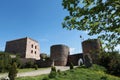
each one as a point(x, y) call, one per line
point(53, 68)
point(13, 71)
point(65, 73)
point(53, 72)
point(29, 64)
point(45, 78)
point(104, 78)
point(5, 61)
point(36, 66)
point(71, 66)
point(17, 61)
point(59, 71)
point(111, 61)
point(98, 68)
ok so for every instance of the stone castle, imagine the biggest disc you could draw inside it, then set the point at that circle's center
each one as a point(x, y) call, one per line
point(25, 47)
point(59, 54)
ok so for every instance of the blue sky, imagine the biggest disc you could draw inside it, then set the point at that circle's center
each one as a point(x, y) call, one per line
point(37, 19)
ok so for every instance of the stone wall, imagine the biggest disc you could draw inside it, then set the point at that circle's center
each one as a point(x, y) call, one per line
point(74, 58)
point(59, 54)
point(92, 47)
point(25, 47)
point(16, 46)
point(32, 49)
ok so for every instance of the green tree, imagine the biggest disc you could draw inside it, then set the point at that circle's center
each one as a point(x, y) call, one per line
point(17, 61)
point(43, 56)
point(13, 71)
point(53, 72)
point(5, 61)
point(111, 61)
point(100, 17)
point(71, 65)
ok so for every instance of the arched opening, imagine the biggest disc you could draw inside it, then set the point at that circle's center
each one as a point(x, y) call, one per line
point(80, 62)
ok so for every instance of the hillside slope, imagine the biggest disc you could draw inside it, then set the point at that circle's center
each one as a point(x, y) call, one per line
point(94, 73)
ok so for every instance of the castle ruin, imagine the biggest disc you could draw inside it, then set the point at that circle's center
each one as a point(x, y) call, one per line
point(28, 48)
point(25, 47)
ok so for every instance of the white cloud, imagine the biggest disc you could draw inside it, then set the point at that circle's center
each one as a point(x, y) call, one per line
point(72, 50)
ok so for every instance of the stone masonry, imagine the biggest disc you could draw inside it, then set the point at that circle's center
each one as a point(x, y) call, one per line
point(25, 47)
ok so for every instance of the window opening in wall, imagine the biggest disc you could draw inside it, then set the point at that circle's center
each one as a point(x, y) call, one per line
point(35, 47)
point(31, 51)
point(35, 52)
point(32, 46)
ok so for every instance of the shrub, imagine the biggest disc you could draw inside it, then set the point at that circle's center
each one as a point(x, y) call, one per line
point(53, 68)
point(36, 66)
point(104, 78)
point(111, 61)
point(5, 60)
point(29, 64)
point(17, 61)
point(65, 73)
point(71, 66)
point(98, 68)
point(45, 78)
point(59, 71)
point(13, 71)
point(53, 72)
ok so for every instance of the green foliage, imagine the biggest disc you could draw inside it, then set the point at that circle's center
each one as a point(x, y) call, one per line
point(53, 72)
point(5, 61)
point(29, 64)
point(104, 78)
point(13, 71)
point(36, 66)
point(78, 74)
point(45, 78)
point(59, 71)
point(71, 66)
point(95, 16)
point(111, 61)
point(17, 61)
point(98, 68)
point(43, 56)
point(53, 68)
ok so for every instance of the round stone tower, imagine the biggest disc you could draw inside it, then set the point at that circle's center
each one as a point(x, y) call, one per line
point(59, 54)
point(92, 47)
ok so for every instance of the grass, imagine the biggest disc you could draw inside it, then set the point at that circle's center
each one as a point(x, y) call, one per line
point(94, 73)
point(32, 78)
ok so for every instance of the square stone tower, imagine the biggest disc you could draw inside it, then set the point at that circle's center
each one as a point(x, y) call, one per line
point(25, 47)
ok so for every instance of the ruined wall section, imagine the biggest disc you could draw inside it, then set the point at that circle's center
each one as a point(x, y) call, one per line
point(59, 53)
point(74, 59)
point(16, 47)
point(25, 47)
point(92, 47)
point(32, 49)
